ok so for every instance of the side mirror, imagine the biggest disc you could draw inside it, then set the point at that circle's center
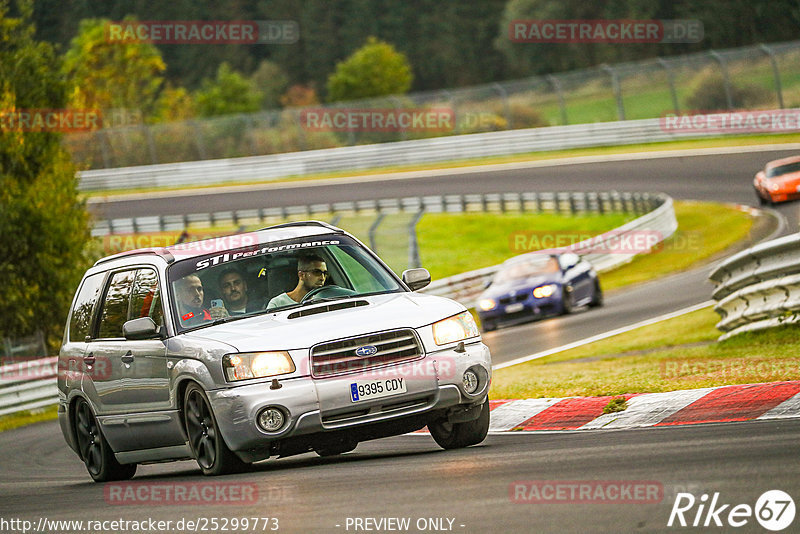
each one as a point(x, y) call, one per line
point(141, 328)
point(416, 278)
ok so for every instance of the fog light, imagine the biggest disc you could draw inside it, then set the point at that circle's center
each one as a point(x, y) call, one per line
point(470, 381)
point(271, 419)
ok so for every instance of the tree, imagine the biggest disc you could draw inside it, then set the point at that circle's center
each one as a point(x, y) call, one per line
point(44, 225)
point(375, 69)
point(272, 81)
point(229, 92)
point(110, 75)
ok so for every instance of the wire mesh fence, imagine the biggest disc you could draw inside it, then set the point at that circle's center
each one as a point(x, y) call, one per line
point(755, 77)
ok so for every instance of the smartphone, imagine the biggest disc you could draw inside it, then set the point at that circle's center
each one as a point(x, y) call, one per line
point(217, 303)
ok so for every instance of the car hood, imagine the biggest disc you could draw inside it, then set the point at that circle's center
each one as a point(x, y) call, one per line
point(500, 288)
point(275, 331)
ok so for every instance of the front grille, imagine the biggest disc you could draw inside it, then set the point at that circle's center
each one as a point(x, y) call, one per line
point(519, 297)
point(337, 357)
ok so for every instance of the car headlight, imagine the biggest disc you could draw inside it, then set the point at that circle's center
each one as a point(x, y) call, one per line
point(246, 365)
point(456, 328)
point(544, 291)
point(487, 304)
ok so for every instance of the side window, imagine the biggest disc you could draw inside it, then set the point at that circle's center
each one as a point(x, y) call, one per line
point(81, 319)
point(115, 306)
point(146, 297)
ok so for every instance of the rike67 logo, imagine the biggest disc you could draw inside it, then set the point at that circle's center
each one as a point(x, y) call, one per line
point(774, 510)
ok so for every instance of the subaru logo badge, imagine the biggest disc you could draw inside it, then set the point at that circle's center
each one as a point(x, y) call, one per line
point(366, 350)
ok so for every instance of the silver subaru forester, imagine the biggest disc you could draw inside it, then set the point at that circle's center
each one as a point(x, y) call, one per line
point(291, 339)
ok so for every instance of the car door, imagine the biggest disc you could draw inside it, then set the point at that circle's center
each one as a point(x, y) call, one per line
point(144, 370)
point(576, 274)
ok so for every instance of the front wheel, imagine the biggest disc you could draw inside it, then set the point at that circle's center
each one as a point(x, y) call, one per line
point(94, 449)
point(597, 297)
point(212, 454)
point(459, 435)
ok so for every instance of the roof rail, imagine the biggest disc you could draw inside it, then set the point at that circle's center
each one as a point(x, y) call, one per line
point(161, 252)
point(303, 223)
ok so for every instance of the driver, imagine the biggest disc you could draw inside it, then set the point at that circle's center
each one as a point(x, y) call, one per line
point(311, 274)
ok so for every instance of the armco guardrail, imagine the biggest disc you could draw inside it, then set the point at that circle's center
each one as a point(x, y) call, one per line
point(759, 287)
point(28, 384)
point(659, 222)
point(275, 166)
point(535, 202)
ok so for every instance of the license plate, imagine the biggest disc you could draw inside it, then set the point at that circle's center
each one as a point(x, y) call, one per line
point(362, 390)
point(514, 308)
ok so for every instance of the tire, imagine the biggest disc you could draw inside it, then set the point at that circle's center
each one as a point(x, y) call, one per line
point(488, 326)
point(94, 449)
point(597, 298)
point(459, 435)
point(335, 450)
point(567, 306)
point(208, 448)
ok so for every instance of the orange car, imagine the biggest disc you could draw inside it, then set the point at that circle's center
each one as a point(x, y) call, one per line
point(779, 181)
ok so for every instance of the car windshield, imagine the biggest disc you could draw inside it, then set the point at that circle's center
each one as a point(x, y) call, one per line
point(239, 282)
point(535, 266)
point(783, 169)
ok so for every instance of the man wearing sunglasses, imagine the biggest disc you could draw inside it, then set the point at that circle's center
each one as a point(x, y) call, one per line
point(311, 274)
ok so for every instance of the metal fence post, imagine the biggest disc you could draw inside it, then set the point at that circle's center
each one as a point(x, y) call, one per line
point(617, 91)
point(373, 229)
point(725, 79)
point(506, 107)
point(775, 72)
point(671, 82)
point(414, 261)
point(560, 94)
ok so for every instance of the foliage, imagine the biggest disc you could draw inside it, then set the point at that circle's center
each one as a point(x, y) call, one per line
point(228, 93)
point(375, 69)
point(708, 93)
point(110, 75)
point(44, 225)
point(272, 81)
point(299, 96)
point(174, 104)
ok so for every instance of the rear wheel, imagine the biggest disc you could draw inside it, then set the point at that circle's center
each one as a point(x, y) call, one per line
point(459, 435)
point(212, 454)
point(94, 449)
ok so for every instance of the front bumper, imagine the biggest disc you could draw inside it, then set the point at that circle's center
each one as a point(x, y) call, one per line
point(324, 405)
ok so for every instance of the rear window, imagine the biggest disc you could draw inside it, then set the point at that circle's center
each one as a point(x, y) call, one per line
point(81, 319)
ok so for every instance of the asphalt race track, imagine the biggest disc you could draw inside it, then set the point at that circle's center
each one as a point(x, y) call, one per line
point(410, 477)
point(470, 490)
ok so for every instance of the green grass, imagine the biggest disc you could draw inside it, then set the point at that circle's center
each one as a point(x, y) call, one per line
point(727, 141)
point(453, 244)
point(679, 353)
point(704, 230)
point(8, 422)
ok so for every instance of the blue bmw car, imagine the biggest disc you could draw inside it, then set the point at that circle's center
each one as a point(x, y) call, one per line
point(534, 285)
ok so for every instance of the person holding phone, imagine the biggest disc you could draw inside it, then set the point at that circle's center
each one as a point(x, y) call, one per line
point(189, 292)
point(233, 288)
